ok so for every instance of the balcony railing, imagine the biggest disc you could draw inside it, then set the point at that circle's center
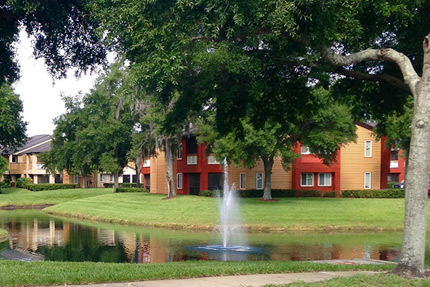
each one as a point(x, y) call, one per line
point(212, 160)
point(147, 163)
point(192, 159)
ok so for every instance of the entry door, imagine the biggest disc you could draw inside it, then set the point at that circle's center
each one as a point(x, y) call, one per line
point(194, 183)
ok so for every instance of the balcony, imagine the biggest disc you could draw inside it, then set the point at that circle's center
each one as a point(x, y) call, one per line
point(147, 163)
point(212, 160)
point(192, 159)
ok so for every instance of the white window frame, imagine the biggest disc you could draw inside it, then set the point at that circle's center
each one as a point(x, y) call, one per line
point(242, 176)
point(179, 152)
point(212, 160)
point(179, 179)
point(258, 176)
point(367, 151)
point(305, 150)
point(14, 157)
point(369, 174)
point(307, 173)
point(191, 159)
point(76, 179)
point(103, 178)
point(325, 179)
point(111, 178)
point(146, 163)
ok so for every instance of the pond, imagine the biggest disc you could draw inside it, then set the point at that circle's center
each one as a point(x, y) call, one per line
point(34, 235)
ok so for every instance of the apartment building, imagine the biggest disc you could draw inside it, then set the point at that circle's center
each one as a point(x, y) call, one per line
point(359, 165)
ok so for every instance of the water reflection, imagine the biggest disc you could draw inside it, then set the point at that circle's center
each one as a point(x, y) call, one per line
point(34, 235)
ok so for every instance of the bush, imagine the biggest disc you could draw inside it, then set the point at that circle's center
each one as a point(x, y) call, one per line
point(4, 184)
point(48, 186)
point(131, 189)
point(208, 193)
point(280, 193)
point(125, 185)
point(371, 193)
point(22, 182)
point(330, 194)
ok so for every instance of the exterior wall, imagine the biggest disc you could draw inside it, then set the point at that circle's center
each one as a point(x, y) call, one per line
point(399, 166)
point(158, 174)
point(355, 164)
point(385, 162)
point(309, 163)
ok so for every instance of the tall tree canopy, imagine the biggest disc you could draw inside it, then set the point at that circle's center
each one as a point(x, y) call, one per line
point(351, 45)
point(64, 35)
point(12, 125)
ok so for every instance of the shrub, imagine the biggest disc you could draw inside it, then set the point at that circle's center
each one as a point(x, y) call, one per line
point(107, 185)
point(22, 182)
point(48, 186)
point(125, 185)
point(5, 184)
point(371, 193)
point(131, 189)
point(280, 193)
point(208, 193)
point(330, 194)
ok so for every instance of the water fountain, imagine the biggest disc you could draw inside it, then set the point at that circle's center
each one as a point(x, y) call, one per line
point(233, 238)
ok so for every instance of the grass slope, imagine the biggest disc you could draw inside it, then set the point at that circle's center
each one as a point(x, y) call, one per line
point(363, 281)
point(332, 214)
point(44, 273)
point(25, 198)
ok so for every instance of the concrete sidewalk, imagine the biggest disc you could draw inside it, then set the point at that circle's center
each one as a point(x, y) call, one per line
point(237, 281)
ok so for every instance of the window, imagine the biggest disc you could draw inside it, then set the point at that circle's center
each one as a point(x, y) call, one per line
point(259, 180)
point(307, 179)
point(147, 163)
point(191, 159)
point(324, 179)
point(212, 160)
point(367, 180)
point(103, 178)
point(368, 148)
point(242, 180)
point(76, 179)
point(215, 181)
point(305, 150)
point(111, 178)
point(126, 178)
point(179, 180)
point(14, 159)
point(179, 153)
point(192, 145)
point(134, 178)
point(394, 155)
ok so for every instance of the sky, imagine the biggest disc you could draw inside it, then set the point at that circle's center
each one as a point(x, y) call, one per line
point(40, 94)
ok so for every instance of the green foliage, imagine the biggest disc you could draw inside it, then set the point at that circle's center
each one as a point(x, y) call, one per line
point(5, 184)
point(131, 189)
point(208, 193)
point(125, 184)
point(330, 194)
point(12, 125)
point(3, 166)
point(369, 193)
point(280, 193)
point(48, 186)
point(22, 182)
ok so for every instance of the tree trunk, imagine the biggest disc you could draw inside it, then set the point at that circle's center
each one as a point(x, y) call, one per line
point(268, 165)
point(115, 181)
point(169, 168)
point(138, 163)
point(411, 263)
point(84, 181)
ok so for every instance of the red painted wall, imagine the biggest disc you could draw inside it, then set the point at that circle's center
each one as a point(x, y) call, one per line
point(202, 167)
point(309, 163)
point(385, 162)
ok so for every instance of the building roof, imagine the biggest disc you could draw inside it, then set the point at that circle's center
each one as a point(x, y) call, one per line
point(34, 144)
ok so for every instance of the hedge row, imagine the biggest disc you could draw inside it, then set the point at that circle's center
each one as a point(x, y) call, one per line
point(125, 185)
point(48, 186)
point(131, 189)
point(367, 193)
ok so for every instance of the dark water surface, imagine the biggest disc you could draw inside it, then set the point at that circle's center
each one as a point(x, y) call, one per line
point(34, 235)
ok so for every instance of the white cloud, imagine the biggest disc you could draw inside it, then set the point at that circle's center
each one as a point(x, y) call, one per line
point(39, 93)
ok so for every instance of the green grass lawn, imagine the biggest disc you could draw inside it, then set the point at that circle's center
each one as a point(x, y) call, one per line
point(362, 281)
point(23, 198)
point(331, 214)
point(44, 273)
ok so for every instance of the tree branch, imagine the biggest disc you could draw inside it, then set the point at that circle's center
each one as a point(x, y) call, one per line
point(396, 82)
point(410, 77)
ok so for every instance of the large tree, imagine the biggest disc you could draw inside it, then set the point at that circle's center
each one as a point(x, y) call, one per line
point(12, 125)
point(63, 32)
point(349, 43)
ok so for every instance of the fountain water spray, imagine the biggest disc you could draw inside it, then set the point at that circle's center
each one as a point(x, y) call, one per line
point(231, 231)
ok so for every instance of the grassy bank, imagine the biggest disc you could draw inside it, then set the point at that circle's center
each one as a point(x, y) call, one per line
point(24, 198)
point(3, 234)
point(333, 214)
point(44, 273)
point(362, 281)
